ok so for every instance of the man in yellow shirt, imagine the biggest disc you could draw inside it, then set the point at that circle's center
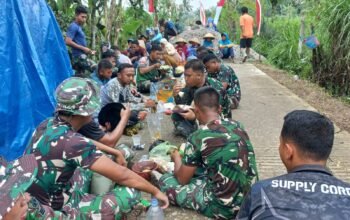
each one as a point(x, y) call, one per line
point(247, 23)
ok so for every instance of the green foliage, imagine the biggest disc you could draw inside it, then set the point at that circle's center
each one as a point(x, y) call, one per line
point(279, 44)
point(333, 69)
point(229, 18)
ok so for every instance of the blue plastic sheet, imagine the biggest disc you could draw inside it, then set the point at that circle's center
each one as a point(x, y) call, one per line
point(33, 61)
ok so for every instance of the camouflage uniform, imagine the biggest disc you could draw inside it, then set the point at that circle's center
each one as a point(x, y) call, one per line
point(227, 74)
point(83, 66)
point(187, 127)
point(226, 167)
point(15, 178)
point(63, 155)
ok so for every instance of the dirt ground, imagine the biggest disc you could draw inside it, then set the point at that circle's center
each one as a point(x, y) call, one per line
point(334, 108)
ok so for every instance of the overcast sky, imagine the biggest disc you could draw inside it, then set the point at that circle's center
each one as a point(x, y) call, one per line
point(206, 3)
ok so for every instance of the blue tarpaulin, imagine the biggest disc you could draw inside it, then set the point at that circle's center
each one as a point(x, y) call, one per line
point(33, 61)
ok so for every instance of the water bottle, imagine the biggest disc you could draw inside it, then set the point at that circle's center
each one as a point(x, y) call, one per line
point(155, 212)
point(153, 91)
point(160, 110)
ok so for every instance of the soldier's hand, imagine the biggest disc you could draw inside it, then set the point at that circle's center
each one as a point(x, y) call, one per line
point(164, 201)
point(174, 154)
point(177, 88)
point(125, 113)
point(189, 115)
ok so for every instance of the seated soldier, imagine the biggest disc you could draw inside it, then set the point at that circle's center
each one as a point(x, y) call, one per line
point(118, 91)
point(148, 70)
point(103, 73)
point(63, 157)
point(195, 77)
point(226, 75)
point(308, 190)
point(135, 52)
point(218, 165)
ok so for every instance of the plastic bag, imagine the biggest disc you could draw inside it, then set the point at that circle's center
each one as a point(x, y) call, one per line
point(311, 42)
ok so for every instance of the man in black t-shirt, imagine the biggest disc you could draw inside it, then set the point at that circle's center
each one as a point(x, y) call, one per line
point(309, 190)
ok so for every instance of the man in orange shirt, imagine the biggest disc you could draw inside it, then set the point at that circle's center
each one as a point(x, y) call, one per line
point(247, 23)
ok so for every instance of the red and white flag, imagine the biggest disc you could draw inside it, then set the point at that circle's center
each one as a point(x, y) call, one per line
point(148, 5)
point(202, 14)
point(258, 16)
point(218, 11)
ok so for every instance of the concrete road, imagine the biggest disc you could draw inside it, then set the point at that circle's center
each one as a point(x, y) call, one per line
point(264, 104)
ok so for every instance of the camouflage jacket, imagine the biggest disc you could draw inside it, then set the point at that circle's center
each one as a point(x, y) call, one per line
point(308, 192)
point(228, 75)
point(59, 151)
point(188, 95)
point(223, 151)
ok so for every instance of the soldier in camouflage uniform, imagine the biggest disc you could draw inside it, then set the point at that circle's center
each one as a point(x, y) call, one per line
point(63, 155)
point(15, 178)
point(218, 166)
point(195, 78)
point(226, 75)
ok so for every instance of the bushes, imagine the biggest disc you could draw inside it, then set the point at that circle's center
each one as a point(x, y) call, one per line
point(331, 62)
point(279, 43)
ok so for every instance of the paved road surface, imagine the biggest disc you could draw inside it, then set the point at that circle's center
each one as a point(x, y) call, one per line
point(264, 104)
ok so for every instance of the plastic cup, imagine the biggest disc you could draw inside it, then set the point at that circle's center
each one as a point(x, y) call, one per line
point(136, 139)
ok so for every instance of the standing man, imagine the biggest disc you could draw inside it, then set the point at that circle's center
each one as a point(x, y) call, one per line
point(75, 35)
point(75, 38)
point(247, 23)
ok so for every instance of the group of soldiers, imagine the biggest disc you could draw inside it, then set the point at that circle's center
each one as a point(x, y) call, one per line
point(215, 175)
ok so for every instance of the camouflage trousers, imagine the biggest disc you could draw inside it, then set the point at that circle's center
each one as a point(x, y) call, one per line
point(81, 205)
point(196, 195)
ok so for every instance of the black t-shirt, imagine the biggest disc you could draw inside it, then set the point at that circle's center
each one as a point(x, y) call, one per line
point(92, 130)
point(308, 192)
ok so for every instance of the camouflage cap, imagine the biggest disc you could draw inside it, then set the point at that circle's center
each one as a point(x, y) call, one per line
point(78, 96)
point(15, 178)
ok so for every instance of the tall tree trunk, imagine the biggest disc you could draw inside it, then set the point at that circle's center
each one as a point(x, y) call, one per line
point(117, 24)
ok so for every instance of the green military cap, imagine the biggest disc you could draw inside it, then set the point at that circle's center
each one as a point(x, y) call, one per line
point(15, 178)
point(78, 96)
